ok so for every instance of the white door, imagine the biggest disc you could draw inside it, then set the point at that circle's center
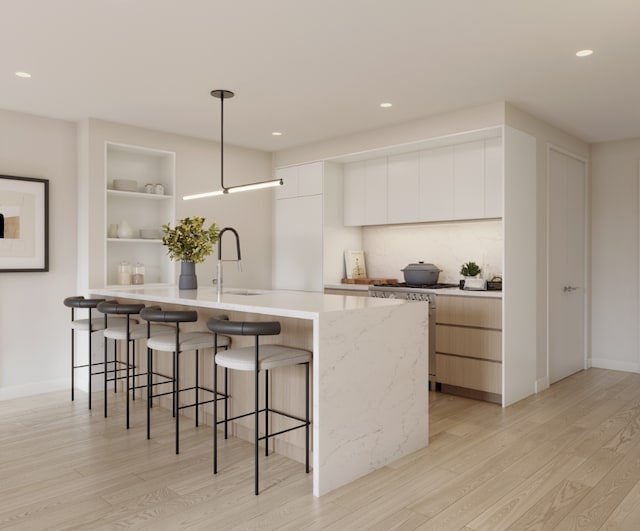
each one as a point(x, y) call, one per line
point(567, 271)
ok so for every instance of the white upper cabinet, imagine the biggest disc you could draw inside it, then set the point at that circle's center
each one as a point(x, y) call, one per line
point(355, 184)
point(468, 180)
point(375, 192)
point(299, 181)
point(403, 184)
point(436, 184)
point(447, 183)
point(365, 192)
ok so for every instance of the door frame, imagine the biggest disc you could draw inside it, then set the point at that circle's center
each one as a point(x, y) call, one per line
point(587, 251)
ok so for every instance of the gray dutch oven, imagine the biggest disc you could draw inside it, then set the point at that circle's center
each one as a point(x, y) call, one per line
point(421, 273)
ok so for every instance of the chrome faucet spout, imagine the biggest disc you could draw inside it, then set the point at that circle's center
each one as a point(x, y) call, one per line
point(238, 255)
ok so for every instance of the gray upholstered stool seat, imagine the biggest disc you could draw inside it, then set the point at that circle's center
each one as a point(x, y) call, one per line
point(176, 343)
point(269, 357)
point(97, 323)
point(256, 358)
point(188, 341)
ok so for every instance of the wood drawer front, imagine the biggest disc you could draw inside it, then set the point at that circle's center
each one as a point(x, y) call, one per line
point(469, 311)
point(469, 373)
point(474, 342)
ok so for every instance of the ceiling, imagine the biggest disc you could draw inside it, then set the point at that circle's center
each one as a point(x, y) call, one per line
point(318, 69)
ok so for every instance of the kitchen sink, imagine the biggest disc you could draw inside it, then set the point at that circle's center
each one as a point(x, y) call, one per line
point(240, 292)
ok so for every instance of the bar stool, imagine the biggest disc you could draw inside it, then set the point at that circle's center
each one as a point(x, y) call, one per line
point(256, 358)
point(176, 343)
point(90, 325)
point(128, 330)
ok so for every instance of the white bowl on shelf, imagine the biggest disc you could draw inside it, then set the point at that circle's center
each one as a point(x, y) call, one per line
point(150, 234)
point(125, 185)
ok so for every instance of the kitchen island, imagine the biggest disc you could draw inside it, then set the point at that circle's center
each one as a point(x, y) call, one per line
point(370, 368)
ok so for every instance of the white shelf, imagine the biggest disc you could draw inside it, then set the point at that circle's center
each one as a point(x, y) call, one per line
point(138, 195)
point(133, 240)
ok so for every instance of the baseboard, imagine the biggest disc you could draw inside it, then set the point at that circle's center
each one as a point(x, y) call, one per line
point(35, 388)
point(625, 366)
point(542, 384)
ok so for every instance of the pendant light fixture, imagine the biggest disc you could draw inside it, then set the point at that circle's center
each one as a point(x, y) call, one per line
point(225, 95)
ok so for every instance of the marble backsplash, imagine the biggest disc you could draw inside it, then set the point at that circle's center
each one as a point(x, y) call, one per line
point(389, 248)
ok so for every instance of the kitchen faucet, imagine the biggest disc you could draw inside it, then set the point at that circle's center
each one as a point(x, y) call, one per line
point(219, 274)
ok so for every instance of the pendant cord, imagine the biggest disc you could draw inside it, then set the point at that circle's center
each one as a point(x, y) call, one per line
point(222, 143)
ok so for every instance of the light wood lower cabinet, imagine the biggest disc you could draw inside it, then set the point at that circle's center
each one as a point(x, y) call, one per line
point(469, 346)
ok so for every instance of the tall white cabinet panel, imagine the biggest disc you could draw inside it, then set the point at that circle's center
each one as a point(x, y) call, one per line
point(403, 199)
point(493, 158)
point(436, 184)
point(310, 236)
point(298, 243)
point(139, 210)
point(468, 184)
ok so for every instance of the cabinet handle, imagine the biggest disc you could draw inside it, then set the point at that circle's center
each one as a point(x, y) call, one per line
point(569, 288)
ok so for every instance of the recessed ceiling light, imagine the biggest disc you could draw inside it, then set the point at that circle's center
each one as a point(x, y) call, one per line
point(23, 74)
point(584, 53)
point(276, 133)
point(386, 105)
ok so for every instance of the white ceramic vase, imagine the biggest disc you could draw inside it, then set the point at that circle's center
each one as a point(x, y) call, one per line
point(125, 230)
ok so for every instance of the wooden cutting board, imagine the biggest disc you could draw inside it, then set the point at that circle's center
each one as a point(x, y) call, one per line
point(369, 280)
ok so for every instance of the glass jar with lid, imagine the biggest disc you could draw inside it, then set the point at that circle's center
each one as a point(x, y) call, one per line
point(138, 273)
point(124, 273)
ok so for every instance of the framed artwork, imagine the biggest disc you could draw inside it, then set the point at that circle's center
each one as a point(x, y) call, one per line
point(24, 224)
point(354, 264)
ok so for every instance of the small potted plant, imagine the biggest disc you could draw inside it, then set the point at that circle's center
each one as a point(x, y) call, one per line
point(190, 243)
point(469, 270)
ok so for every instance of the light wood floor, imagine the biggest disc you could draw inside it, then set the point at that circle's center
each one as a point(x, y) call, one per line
point(567, 458)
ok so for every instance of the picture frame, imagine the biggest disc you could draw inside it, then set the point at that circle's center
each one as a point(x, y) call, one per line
point(24, 224)
point(355, 265)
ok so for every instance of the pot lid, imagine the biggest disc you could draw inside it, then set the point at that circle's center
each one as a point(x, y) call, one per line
point(421, 266)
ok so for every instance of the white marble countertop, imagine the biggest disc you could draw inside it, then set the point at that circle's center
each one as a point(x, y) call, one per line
point(297, 304)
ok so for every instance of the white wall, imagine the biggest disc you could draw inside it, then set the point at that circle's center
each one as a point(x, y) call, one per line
point(614, 265)
point(197, 170)
point(34, 324)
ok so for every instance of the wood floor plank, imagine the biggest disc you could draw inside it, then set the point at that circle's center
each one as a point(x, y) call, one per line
point(566, 458)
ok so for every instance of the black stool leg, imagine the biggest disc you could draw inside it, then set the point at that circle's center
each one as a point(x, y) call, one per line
point(73, 359)
point(307, 420)
point(90, 357)
point(215, 414)
point(266, 413)
point(106, 373)
point(197, 389)
point(149, 389)
point(176, 391)
point(256, 415)
point(226, 403)
point(127, 368)
point(133, 367)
